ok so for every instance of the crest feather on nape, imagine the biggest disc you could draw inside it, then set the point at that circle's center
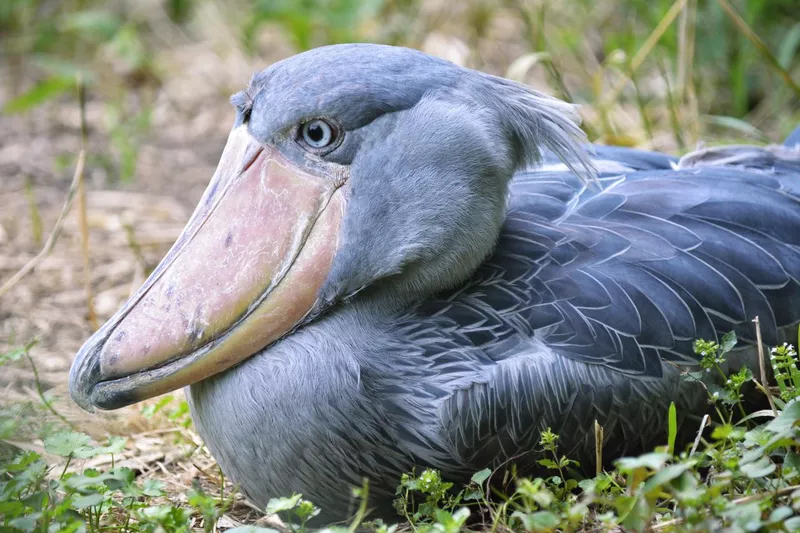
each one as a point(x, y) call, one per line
point(535, 121)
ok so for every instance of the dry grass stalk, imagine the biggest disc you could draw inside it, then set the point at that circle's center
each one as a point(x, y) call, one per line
point(703, 424)
point(57, 227)
point(91, 314)
point(36, 219)
point(598, 447)
point(762, 365)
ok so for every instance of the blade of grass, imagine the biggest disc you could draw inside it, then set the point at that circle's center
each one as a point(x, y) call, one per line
point(40, 93)
point(642, 105)
point(672, 106)
point(684, 59)
point(672, 430)
point(738, 125)
point(637, 60)
point(759, 44)
point(535, 35)
point(57, 227)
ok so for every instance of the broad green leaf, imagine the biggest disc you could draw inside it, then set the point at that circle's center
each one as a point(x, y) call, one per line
point(74, 526)
point(760, 468)
point(539, 521)
point(728, 341)
point(90, 500)
point(69, 443)
point(115, 445)
point(653, 461)
point(24, 461)
point(779, 514)
point(633, 511)
point(26, 523)
point(277, 505)
point(727, 431)
point(751, 456)
point(12, 356)
point(480, 477)
point(791, 465)
point(37, 501)
point(153, 487)
point(597, 484)
point(665, 475)
point(121, 477)
point(792, 524)
point(746, 514)
point(787, 419)
point(11, 508)
point(548, 463)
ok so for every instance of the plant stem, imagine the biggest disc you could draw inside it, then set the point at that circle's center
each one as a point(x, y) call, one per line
point(40, 391)
point(51, 240)
point(762, 366)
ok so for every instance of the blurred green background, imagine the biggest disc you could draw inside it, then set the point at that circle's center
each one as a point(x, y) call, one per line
point(650, 73)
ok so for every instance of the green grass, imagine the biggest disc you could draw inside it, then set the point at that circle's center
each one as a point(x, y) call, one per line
point(742, 474)
point(652, 73)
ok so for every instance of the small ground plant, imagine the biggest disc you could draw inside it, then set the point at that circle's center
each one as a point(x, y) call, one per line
point(742, 473)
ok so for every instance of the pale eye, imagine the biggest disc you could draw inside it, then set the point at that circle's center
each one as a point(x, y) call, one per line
point(317, 134)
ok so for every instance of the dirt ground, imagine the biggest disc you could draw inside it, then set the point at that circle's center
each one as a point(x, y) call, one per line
point(131, 226)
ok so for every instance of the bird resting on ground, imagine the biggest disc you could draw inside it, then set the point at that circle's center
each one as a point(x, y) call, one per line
point(403, 263)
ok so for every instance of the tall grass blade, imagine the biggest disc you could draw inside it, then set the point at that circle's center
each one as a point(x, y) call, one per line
point(672, 106)
point(644, 51)
point(759, 44)
point(672, 428)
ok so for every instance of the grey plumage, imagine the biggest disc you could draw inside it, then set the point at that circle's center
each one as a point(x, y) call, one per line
point(474, 301)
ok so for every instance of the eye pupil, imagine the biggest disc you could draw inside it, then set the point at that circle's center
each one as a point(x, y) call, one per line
point(317, 134)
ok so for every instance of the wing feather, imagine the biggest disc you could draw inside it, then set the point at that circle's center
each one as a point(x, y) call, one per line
point(592, 296)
